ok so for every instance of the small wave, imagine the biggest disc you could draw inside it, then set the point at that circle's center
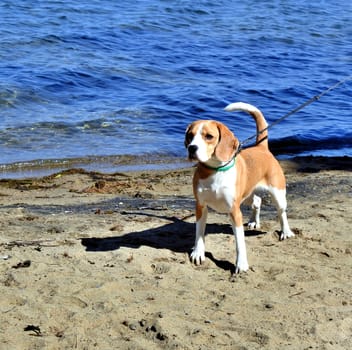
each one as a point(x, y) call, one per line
point(16, 96)
point(296, 145)
point(104, 164)
point(8, 97)
point(44, 131)
point(49, 39)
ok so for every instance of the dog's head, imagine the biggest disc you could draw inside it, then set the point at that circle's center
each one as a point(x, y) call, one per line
point(209, 140)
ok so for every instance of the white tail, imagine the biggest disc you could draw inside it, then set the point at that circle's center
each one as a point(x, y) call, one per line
point(262, 136)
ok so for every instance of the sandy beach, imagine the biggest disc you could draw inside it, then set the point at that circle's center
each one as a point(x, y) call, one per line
point(101, 261)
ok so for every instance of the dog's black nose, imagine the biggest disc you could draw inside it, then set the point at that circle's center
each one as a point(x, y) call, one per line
point(192, 149)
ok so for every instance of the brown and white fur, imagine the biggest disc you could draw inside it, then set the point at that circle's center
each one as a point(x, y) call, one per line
point(224, 187)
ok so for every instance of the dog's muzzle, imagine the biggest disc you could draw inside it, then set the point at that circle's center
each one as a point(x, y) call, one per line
point(192, 150)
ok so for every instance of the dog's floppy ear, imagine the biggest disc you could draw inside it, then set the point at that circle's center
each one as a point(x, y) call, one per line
point(187, 139)
point(227, 144)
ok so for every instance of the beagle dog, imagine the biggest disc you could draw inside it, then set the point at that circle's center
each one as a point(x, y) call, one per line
point(225, 177)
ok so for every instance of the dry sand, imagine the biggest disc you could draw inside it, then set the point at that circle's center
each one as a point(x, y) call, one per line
point(94, 261)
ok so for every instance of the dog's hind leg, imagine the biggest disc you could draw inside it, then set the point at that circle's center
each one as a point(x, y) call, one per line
point(254, 221)
point(279, 197)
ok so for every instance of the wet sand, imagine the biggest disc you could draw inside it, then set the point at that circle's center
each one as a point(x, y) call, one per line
point(101, 261)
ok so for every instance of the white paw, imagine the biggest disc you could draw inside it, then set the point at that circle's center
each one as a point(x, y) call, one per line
point(241, 266)
point(286, 234)
point(252, 225)
point(197, 256)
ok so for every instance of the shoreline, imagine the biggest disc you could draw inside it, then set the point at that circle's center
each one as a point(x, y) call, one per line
point(114, 164)
point(103, 164)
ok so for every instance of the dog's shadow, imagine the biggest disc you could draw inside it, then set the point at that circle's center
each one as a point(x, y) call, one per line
point(176, 236)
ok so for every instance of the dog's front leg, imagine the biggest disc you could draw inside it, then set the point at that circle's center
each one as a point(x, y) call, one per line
point(198, 252)
point(237, 227)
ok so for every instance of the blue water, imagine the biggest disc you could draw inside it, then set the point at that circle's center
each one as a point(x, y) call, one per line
point(114, 78)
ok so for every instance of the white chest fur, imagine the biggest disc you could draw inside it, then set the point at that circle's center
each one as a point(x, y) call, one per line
point(218, 190)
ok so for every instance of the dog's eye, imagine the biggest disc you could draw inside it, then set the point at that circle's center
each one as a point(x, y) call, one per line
point(209, 137)
point(189, 137)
